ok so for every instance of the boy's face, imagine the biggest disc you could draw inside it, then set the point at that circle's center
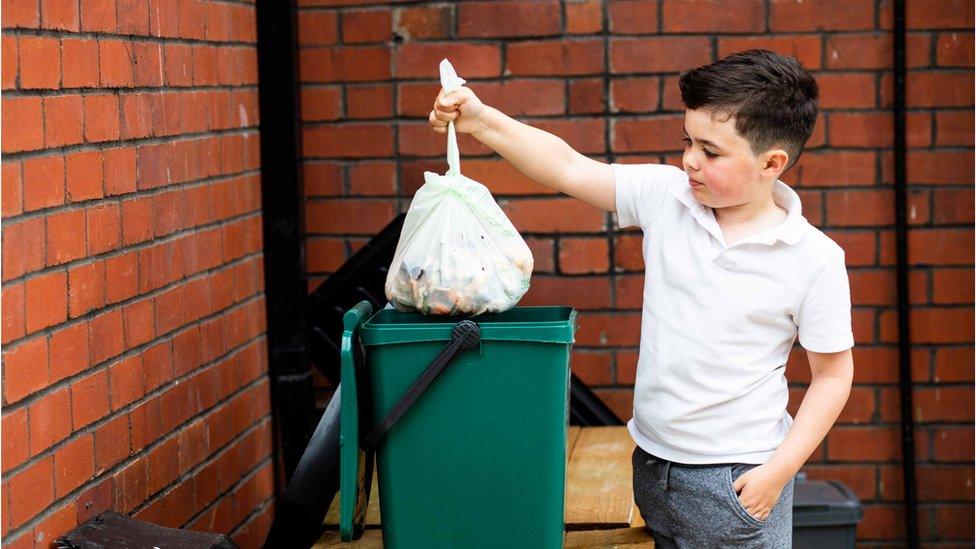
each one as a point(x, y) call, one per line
point(722, 169)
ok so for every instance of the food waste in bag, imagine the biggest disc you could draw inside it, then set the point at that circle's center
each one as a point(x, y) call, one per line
point(458, 252)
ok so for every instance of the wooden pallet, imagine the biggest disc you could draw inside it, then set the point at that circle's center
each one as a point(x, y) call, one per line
point(600, 510)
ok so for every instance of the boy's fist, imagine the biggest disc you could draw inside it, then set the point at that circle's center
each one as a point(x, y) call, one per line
point(462, 106)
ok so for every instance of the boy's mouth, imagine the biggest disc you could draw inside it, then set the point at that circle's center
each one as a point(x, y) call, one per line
point(695, 183)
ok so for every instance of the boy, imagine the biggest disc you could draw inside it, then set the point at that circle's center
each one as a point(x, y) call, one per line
point(733, 274)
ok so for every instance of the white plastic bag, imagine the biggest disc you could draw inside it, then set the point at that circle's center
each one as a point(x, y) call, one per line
point(458, 253)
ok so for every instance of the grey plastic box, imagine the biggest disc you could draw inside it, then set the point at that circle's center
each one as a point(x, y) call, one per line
point(825, 514)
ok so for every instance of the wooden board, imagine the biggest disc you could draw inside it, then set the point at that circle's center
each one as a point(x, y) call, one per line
point(598, 486)
point(605, 539)
point(589, 539)
point(372, 511)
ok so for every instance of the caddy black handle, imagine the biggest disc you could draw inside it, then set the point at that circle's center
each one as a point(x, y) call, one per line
point(466, 335)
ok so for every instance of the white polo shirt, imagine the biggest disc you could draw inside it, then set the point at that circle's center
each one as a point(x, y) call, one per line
point(718, 321)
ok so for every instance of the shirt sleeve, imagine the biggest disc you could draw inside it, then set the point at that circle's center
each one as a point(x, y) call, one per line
point(824, 319)
point(640, 190)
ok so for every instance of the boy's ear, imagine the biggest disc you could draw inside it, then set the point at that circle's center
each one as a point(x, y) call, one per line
point(775, 163)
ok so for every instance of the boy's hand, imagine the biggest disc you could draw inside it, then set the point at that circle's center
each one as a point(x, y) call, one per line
point(462, 106)
point(759, 489)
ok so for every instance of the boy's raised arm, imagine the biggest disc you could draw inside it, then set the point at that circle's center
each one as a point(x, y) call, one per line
point(540, 155)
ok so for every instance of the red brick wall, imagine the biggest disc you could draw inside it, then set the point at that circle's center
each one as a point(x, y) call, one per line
point(603, 76)
point(134, 355)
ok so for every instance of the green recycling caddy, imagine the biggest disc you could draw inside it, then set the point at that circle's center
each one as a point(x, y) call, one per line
point(479, 460)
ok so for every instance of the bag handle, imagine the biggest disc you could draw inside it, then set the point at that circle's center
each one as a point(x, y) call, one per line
point(451, 82)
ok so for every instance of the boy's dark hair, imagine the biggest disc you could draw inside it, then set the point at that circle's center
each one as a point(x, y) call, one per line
point(772, 97)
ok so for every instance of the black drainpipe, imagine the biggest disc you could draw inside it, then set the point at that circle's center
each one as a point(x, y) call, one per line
point(292, 396)
point(904, 306)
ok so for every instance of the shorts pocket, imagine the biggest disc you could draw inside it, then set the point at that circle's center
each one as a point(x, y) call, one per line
point(733, 472)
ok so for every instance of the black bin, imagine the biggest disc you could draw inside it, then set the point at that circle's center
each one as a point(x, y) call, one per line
point(825, 514)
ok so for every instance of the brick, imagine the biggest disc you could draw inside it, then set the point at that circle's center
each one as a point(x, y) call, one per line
point(148, 64)
point(119, 170)
point(68, 350)
point(104, 226)
point(49, 420)
point(111, 443)
point(863, 444)
point(105, 335)
point(419, 60)
point(125, 381)
point(133, 17)
point(874, 51)
point(205, 66)
point(952, 206)
point(355, 63)
point(9, 62)
point(121, 277)
point(832, 15)
point(13, 312)
point(43, 182)
point(932, 325)
point(13, 188)
point(502, 178)
point(835, 168)
point(586, 135)
point(634, 94)
point(725, 16)
point(500, 19)
point(23, 248)
point(62, 120)
point(40, 62)
point(952, 286)
point(22, 124)
point(86, 288)
point(192, 19)
point(84, 175)
point(321, 104)
point(366, 26)
point(98, 16)
point(583, 255)
point(938, 89)
point(318, 28)
point(89, 399)
point(633, 17)
point(954, 364)
point(554, 215)
point(935, 166)
point(954, 128)
point(374, 178)
point(102, 117)
point(954, 50)
point(952, 444)
point(78, 68)
point(178, 65)
point(25, 369)
point(555, 57)
point(138, 320)
point(646, 135)
point(46, 301)
point(23, 14)
point(162, 23)
point(805, 48)
point(115, 63)
point(217, 22)
point(170, 310)
point(860, 208)
point(131, 485)
point(659, 54)
point(64, 242)
point(60, 15)
point(345, 216)
point(136, 220)
point(164, 464)
point(74, 464)
point(369, 102)
point(355, 141)
point(92, 501)
point(948, 14)
point(30, 491)
point(945, 483)
point(584, 17)
point(940, 246)
point(586, 96)
point(136, 118)
point(15, 444)
point(194, 108)
point(521, 97)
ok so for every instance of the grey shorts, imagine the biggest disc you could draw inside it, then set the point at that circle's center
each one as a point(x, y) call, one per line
point(696, 506)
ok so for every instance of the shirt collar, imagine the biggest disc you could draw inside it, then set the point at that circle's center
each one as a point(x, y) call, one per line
point(790, 231)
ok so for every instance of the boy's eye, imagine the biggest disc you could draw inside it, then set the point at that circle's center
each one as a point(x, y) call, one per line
point(708, 153)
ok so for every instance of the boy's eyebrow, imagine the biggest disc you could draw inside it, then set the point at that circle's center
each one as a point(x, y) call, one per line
point(705, 141)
